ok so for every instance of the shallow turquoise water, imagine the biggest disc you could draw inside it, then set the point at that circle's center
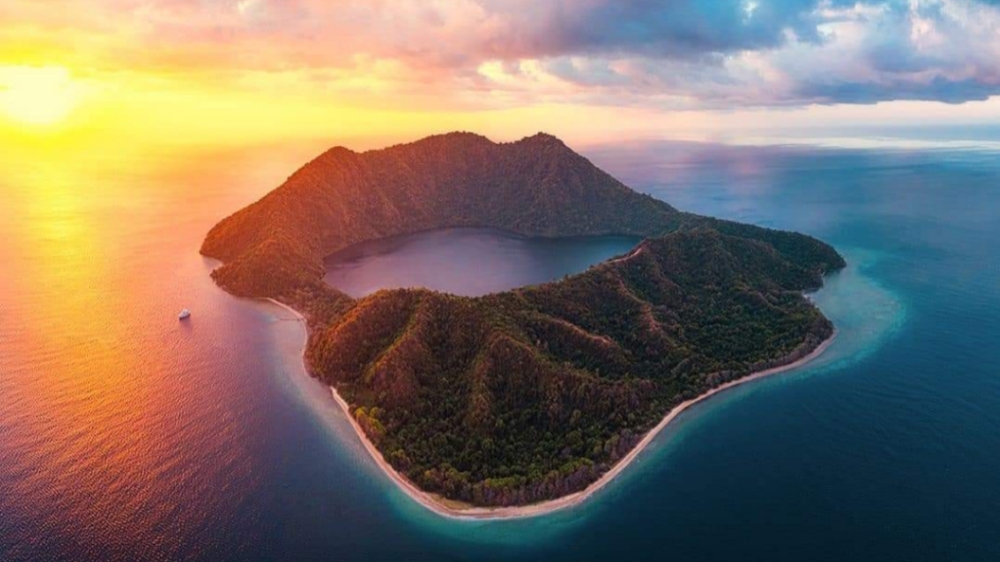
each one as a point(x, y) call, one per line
point(124, 436)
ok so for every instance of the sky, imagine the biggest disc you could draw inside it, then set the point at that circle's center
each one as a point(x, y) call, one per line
point(587, 70)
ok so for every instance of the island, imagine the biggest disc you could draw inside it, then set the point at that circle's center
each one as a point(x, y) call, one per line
point(524, 401)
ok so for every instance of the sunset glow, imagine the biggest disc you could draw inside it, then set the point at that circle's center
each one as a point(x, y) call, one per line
point(263, 70)
point(37, 95)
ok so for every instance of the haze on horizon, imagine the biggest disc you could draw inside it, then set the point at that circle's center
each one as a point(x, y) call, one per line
point(222, 71)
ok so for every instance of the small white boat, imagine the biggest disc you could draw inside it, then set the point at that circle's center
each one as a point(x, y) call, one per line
point(184, 315)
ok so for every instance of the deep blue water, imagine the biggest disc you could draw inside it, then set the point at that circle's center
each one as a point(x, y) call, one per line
point(886, 448)
point(467, 261)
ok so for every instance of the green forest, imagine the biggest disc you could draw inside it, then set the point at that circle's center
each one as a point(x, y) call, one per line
point(530, 394)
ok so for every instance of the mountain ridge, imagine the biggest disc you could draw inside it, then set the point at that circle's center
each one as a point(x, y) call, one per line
point(453, 180)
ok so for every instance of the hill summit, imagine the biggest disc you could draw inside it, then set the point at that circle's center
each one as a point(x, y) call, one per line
point(535, 187)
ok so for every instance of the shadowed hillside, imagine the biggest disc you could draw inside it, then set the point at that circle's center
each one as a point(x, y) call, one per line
point(534, 187)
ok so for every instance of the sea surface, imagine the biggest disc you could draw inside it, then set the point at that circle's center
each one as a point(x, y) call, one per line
point(127, 435)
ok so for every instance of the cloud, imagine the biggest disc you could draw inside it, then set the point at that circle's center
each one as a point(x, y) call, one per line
point(656, 53)
point(803, 53)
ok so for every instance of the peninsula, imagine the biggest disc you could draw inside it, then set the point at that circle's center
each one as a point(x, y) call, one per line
point(523, 401)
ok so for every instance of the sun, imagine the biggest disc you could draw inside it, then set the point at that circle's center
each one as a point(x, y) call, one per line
point(38, 95)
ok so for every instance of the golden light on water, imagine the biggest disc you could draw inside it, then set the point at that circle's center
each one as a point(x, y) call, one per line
point(38, 95)
point(98, 252)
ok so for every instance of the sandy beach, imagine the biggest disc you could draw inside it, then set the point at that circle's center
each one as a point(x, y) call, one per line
point(457, 510)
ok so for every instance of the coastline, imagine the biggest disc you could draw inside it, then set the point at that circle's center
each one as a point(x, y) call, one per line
point(456, 510)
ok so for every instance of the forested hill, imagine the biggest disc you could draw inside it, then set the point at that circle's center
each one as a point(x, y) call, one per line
point(536, 187)
point(533, 393)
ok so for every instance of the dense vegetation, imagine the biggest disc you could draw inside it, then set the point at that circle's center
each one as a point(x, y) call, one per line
point(529, 394)
point(535, 187)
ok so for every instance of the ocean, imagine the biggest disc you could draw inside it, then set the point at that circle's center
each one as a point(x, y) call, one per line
point(127, 435)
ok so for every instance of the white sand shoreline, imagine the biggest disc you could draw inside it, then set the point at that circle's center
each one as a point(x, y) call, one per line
point(453, 510)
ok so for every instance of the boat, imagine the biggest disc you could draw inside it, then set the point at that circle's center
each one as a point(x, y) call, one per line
point(184, 315)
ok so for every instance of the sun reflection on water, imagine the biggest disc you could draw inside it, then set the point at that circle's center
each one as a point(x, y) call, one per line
point(109, 426)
